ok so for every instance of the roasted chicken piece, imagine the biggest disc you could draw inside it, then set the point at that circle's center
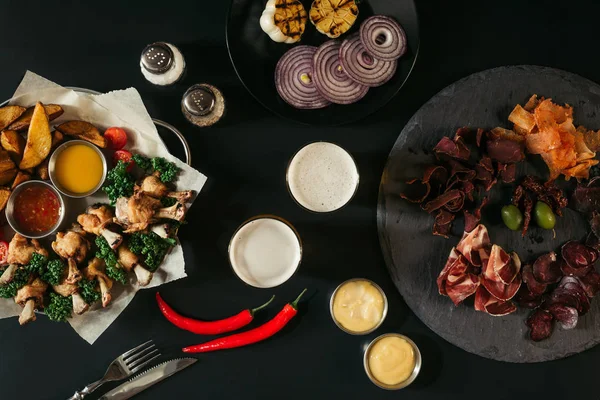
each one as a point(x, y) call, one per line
point(29, 297)
point(71, 289)
point(71, 244)
point(153, 186)
point(74, 275)
point(20, 250)
point(96, 219)
point(130, 261)
point(95, 270)
point(8, 274)
point(138, 211)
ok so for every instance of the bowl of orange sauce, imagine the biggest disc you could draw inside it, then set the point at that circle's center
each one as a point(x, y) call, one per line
point(77, 168)
point(35, 209)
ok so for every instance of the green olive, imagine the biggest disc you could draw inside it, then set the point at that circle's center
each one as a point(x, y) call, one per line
point(544, 216)
point(512, 217)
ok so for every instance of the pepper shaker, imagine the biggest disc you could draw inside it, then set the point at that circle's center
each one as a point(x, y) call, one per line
point(162, 63)
point(203, 105)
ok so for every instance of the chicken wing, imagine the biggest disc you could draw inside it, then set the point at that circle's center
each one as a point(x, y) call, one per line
point(96, 220)
point(71, 289)
point(140, 210)
point(20, 250)
point(130, 261)
point(95, 270)
point(29, 297)
point(71, 245)
point(154, 187)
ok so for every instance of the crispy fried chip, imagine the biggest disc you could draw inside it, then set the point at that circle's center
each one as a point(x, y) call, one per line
point(522, 118)
point(565, 149)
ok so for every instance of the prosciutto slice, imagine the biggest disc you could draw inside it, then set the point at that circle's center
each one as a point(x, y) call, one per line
point(471, 242)
point(491, 305)
point(505, 267)
point(463, 287)
point(443, 276)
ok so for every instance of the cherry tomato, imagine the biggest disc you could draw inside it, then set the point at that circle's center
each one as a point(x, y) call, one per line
point(3, 252)
point(117, 138)
point(125, 156)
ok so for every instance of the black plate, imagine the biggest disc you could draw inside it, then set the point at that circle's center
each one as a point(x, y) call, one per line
point(254, 56)
point(415, 257)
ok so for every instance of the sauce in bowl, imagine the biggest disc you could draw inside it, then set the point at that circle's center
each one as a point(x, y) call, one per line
point(78, 169)
point(358, 306)
point(392, 360)
point(36, 210)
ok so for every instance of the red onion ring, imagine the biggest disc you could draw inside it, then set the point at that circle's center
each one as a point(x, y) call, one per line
point(383, 37)
point(331, 80)
point(294, 79)
point(361, 66)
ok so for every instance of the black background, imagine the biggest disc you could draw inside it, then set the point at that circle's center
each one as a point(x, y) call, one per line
point(98, 46)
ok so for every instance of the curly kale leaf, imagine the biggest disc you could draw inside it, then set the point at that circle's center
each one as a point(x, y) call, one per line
point(60, 308)
point(151, 247)
point(168, 201)
point(168, 171)
point(119, 182)
point(142, 162)
point(19, 280)
point(113, 268)
point(37, 264)
point(87, 290)
point(54, 272)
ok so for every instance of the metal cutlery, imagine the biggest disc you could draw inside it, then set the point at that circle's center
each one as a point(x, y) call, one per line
point(122, 367)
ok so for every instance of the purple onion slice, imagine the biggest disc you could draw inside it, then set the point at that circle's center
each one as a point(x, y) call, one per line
point(383, 37)
point(294, 79)
point(331, 80)
point(361, 66)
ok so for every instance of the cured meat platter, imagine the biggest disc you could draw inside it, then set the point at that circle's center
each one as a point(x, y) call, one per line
point(415, 257)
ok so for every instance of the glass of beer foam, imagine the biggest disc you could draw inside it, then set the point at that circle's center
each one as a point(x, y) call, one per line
point(265, 251)
point(322, 177)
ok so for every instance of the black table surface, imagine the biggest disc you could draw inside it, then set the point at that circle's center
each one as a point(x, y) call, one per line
point(97, 45)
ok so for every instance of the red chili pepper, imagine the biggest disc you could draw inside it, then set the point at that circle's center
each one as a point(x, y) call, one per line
point(208, 327)
point(255, 335)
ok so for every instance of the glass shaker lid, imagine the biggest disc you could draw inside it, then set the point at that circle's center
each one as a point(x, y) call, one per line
point(157, 58)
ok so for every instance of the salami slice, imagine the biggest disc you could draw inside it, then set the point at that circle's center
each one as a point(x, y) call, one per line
point(565, 316)
point(540, 325)
point(535, 287)
point(590, 283)
point(546, 269)
point(578, 257)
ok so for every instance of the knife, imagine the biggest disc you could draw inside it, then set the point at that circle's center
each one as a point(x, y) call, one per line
point(148, 378)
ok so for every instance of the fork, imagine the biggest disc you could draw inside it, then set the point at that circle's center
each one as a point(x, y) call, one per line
point(122, 367)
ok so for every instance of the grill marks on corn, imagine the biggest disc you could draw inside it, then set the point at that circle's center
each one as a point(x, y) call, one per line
point(290, 17)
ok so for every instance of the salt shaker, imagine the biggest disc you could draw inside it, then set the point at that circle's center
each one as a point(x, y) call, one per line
point(162, 63)
point(203, 105)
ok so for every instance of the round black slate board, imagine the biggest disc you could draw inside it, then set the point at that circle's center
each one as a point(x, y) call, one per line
point(415, 257)
point(254, 56)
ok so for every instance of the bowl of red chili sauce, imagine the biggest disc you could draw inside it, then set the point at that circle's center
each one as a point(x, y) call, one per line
point(35, 209)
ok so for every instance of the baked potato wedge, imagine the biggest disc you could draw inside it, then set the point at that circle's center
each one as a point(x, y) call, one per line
point(20, 178)
point(9, 114)
point(39, 139)
point(4, 195)
point(42, 170)
point(6, 163)
point(22, 123)
point(7, 176)
point(14, 144)
point(84, 131)
point(57, 138)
